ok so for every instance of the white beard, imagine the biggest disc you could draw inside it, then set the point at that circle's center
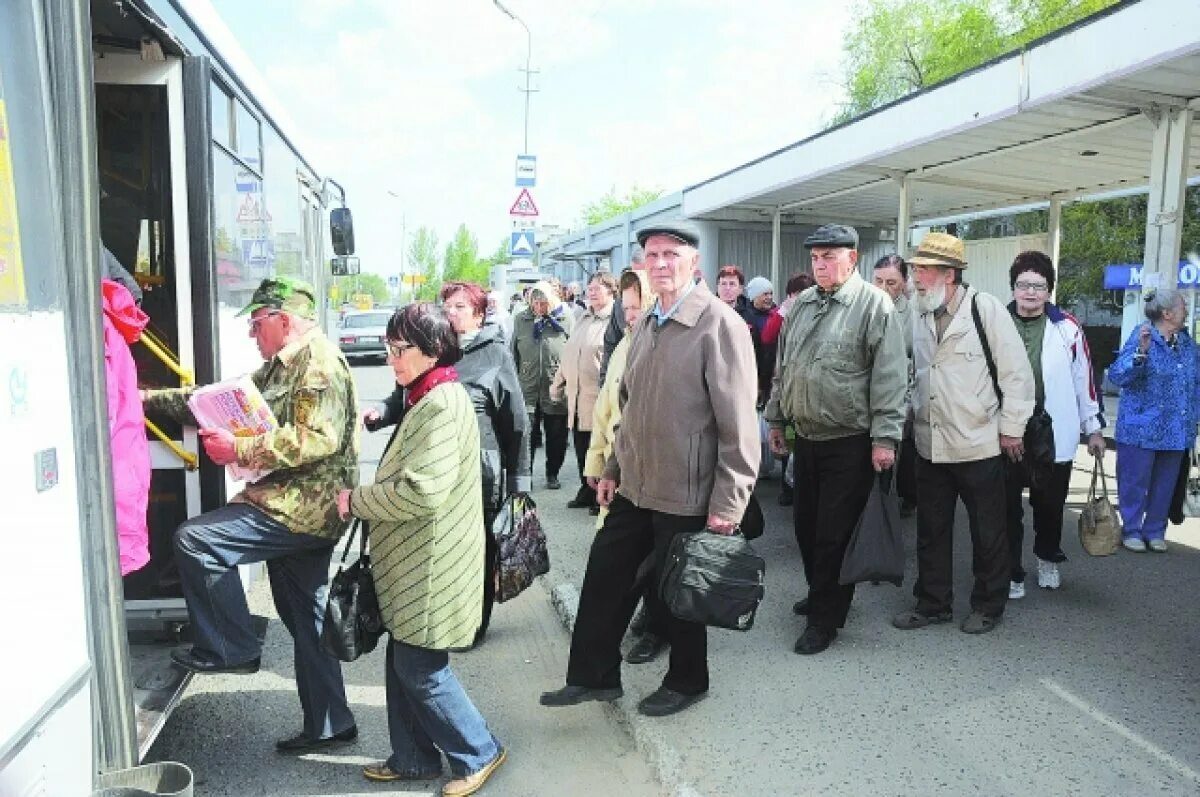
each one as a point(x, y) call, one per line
point(932, 299)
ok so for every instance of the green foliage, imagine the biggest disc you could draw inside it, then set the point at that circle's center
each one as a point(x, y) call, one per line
point(610, 205)
point(462, 262)
point(363, 283)
point(423, 259)
point(900, 46)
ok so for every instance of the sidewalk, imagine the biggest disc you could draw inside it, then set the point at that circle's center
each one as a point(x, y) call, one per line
point(1088, 690)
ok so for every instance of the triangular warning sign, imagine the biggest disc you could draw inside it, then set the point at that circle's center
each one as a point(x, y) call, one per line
point(524, 205)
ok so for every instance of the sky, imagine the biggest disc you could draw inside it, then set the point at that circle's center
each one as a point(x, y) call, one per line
point(413, 105)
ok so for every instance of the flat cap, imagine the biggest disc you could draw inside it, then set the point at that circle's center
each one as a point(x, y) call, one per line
point(940, 249)
point(682, 231)
point(831, 235)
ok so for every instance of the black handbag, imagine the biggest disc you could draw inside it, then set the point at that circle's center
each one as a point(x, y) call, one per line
point(876, 548)
point(353, 621)
point(523, 552)
point(714, 579)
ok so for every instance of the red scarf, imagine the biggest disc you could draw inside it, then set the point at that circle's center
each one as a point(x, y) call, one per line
point(428, 381)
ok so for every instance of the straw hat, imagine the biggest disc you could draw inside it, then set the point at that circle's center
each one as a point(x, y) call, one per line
point(940, 249)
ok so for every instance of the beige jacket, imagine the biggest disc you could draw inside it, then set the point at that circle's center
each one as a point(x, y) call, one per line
point(958, 417)
point(841, 368)
point(688, 441)
point(606, 418)
point(578, 373)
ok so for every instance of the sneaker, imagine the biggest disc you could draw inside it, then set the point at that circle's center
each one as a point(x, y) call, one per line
point(1136, 544)
point(1016, 590)
point(1158, 546)
point(1048, 576)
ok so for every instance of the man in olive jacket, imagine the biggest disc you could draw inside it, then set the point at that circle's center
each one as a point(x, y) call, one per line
point(840, 379)
point(288, 518)
point(685, 458)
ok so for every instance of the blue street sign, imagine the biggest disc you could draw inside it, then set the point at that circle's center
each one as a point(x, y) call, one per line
point(1128, 276)
point(526, 171)
point(521, 243)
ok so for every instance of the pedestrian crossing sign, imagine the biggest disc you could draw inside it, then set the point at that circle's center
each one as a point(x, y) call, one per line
point(521, 243)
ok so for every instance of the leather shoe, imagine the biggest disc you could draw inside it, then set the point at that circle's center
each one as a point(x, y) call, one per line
point(571, 695)
point(663, 702)
point(645, 649)
point(814, 640)
point(800, 607)
point(552, 483)
point(786, 497)
point(303, 743)
point(193, 663)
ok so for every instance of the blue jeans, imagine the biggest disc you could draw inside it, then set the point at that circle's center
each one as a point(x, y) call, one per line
point(428, 712)
point(1145, 482)
point(208, 549)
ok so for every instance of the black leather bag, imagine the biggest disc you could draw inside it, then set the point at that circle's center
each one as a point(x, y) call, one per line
point(353, 622)
point(876, 548)
point(714, 579)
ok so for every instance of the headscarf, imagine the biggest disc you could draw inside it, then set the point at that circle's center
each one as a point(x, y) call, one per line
point(557, 309)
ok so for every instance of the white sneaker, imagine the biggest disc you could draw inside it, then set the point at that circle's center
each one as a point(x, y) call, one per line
point(1159, 546)
point(1016, 590)
point(1048, 576)
point(1136, 544)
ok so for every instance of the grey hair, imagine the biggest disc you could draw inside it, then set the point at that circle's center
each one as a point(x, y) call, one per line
point(1161, 299)
point(636, 255)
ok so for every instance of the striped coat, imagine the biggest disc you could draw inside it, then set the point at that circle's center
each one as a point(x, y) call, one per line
point(425, 513)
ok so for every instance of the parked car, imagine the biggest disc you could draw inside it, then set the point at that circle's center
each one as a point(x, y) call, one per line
point(361, 333)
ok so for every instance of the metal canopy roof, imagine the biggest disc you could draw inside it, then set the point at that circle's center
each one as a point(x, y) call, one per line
point(1068, 117)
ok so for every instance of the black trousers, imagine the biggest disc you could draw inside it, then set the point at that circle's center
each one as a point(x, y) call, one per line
point(491, 561)
point(980, 486)
point(833, 479)
point(581, 440)
point(556, 439)
point(906, 467)
point(608, 598)
point(1047, 502)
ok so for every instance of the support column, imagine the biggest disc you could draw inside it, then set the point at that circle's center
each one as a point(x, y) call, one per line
point(776, 253)
point(903, 218)
point(1054, 236)
point(626, 247)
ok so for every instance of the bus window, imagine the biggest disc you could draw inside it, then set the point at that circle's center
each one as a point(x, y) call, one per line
point(222, 120)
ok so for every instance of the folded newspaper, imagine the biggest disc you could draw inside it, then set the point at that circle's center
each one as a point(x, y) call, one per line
point(237, 406)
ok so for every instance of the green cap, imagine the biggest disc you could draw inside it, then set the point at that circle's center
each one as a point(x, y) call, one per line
point(288, 294)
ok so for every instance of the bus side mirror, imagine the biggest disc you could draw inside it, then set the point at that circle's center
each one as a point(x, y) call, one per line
point(341, 230)
point(344, 266)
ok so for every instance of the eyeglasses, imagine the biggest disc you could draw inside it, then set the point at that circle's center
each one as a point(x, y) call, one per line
point(256, 323)
point(397, 349)
point(1036, 287)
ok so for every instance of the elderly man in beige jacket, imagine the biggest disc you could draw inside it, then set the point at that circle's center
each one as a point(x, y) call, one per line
point(685, 458)
point(974, 394)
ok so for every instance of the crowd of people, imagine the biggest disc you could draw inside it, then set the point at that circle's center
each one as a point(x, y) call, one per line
point(677, 400)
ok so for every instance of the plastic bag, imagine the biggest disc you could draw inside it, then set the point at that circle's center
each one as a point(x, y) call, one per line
point(876, 549)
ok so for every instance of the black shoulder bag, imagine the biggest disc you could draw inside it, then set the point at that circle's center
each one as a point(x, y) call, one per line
point(353, 621)
point(1038, 461)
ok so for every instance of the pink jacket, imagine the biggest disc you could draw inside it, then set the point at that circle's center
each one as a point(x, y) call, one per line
point(123, 324)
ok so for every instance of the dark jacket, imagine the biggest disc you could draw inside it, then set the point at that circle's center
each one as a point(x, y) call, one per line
point(537, 346)
point(486, 370)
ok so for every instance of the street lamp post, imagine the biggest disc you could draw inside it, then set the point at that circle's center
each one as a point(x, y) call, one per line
point(403, 244)
point(528, 56)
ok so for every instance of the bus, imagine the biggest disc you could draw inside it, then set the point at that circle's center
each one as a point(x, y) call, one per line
point(141, 128)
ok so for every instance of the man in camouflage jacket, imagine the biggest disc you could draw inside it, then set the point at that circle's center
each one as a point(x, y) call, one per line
point(288, 518)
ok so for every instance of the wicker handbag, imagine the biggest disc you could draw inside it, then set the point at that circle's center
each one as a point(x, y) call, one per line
point(1099, 523)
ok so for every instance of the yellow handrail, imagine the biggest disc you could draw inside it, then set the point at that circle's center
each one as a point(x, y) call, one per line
point(190, 460)
point(159, 350)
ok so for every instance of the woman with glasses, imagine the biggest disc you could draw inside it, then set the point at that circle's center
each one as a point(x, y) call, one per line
point(427, 549)
point(1159, 377)
point(1065, 389)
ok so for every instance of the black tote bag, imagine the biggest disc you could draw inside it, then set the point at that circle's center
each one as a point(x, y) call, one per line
point(353, 622)
point(876, 549)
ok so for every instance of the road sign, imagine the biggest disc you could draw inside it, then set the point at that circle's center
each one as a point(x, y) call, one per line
point(394, 281)
point(523, 223)
point(526, 171)
point(524, 205)
point(521, 244)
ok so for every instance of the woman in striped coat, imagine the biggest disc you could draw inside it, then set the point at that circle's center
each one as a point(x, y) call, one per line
point(425, 512)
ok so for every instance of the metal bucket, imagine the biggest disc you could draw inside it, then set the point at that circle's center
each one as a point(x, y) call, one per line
point(161, 779)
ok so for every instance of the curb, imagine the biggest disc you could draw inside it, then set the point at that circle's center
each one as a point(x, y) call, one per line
point(662, 757)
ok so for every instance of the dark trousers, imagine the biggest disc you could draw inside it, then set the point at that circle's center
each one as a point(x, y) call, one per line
point(833, 479)
point(1047, 502)
point(582, 440)
point(491, 561)
point(906, 467)
point(556, 439)
point(980, 486)
point(608, 598)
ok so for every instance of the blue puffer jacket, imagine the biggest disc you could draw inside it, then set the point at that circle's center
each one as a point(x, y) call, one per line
point(1160, 399)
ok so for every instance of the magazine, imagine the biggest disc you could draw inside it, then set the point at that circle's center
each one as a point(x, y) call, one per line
point(237, 406)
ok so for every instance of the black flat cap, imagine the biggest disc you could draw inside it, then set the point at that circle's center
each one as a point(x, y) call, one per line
point(831, 235)
point(682, 231)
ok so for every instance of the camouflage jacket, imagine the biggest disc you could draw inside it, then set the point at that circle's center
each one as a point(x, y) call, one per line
point(314, 452)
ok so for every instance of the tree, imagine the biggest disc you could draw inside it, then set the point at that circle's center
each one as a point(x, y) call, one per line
point(423, 260)
point(610, 205)
point(461, 262)
point(373, 284)
point(899, 46)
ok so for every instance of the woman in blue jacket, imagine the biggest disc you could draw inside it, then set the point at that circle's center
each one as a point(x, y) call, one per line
point(1159, 377)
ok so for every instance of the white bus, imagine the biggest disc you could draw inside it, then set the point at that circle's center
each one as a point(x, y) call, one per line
point(141, 125)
